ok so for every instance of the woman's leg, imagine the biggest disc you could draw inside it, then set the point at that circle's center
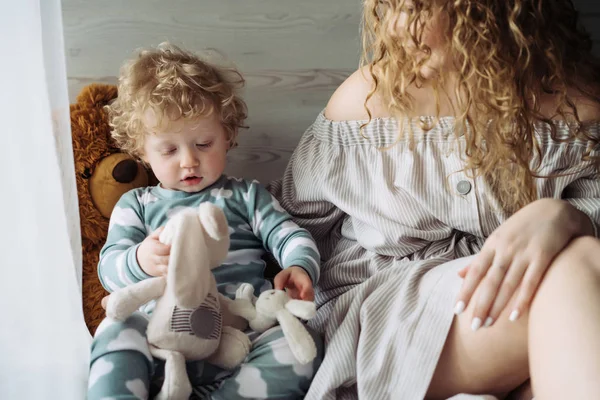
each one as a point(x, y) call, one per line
point(557, 340)
point(564, 345)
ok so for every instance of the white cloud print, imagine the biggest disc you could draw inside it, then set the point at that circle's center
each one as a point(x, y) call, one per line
point(125, 217)
point(221, 193)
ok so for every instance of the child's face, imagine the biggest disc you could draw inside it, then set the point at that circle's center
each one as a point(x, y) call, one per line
point(399, 28)
point(186, 155)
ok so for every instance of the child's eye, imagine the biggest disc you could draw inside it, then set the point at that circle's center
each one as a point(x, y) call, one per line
point(204, 145)
point(168, 152)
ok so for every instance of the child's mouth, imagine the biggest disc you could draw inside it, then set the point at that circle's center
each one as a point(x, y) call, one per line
point(192, 180)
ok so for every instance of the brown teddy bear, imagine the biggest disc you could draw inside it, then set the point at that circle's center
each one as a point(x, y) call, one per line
point(103, 174)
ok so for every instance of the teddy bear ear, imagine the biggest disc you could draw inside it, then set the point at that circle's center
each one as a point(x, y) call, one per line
point(97, 95)
point(214, 221)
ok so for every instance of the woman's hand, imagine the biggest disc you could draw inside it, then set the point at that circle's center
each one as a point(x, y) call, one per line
point(516, 256)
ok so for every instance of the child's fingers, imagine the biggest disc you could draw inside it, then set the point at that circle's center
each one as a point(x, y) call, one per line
point(162, 269)
point(104, 302)
point(294, 293)
point(161, 260)
point(281, 279)
point(308, 293)
point(304, 284)
point(158, 270)
point(156, 233)
point(162, 249)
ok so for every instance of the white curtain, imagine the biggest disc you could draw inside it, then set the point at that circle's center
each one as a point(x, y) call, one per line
point(44, 345)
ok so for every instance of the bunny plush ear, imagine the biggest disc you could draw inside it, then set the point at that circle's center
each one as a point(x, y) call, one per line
point(214, 221)
point(216, 233)
point(301, 344)
point(301, 309)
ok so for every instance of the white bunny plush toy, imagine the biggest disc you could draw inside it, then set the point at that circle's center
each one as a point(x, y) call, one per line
point(191, 320)
point(275, 306)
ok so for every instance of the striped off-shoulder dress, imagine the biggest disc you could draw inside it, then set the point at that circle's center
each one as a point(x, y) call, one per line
point(393, 222)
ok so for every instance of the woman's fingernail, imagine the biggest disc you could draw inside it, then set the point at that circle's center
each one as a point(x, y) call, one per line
point(476, 324)
point(460, 307)
point(488, 322)
point(514, 315)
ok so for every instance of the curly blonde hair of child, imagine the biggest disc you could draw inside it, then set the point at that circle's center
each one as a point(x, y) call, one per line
point(508, 54)
point(173, 84)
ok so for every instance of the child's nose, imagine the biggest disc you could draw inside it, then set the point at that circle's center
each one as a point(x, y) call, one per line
point(189, 159)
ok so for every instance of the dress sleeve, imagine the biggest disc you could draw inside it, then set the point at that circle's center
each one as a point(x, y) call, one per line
point(584, 194)
point(303, 190)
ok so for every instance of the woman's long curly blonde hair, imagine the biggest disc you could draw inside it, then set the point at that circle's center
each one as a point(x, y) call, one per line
point(174, 84)
point(507, 54)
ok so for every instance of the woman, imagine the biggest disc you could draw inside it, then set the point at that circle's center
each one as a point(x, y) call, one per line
point(464, 148)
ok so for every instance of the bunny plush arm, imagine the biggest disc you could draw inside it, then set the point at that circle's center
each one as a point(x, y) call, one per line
point(243, 305)
point(232, 315)
point(122, 303)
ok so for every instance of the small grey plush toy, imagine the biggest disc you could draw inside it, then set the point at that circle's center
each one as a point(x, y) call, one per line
point(275, 306)
point(191, 320)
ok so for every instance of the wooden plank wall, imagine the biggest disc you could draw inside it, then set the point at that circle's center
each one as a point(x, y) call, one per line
point(293, 54)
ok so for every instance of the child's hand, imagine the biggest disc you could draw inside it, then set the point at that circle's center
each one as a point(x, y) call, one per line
point(152, 255)
point(104, 301)
point(297, 282)
point(516, 256)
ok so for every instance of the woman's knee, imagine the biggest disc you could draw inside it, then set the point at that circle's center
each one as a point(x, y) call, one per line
point(580, 260)
point(582, 252)
point(576, 264)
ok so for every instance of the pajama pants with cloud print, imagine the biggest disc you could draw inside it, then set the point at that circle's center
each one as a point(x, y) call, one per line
point(122, 368)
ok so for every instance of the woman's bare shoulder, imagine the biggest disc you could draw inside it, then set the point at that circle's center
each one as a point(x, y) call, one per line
point(348, 102)
point(587, 108)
